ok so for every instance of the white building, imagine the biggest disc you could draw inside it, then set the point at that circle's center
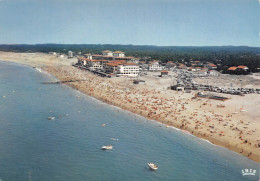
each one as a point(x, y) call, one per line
point(107, 53)
point(118, 54)
point(88, 56)
point(202, 73)
point(112, 66)
point(82, 61)
point(53, 53)
point(92, 64)
point(155, 66)
point(128, 70)
point(134, 60)
point(214, 73)
point(97, 57)
point(96, 64)
point(70, 54)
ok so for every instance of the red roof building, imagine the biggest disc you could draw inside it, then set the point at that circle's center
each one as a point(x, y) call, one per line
point(232, 68)
point(242, 67)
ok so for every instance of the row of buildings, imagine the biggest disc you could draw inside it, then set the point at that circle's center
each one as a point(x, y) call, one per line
point(116, 63)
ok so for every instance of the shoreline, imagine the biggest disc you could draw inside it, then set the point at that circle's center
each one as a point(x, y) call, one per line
point(212, 141)
point(57, 71)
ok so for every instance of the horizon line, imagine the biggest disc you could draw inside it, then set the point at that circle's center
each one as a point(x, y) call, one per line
point(130, 45)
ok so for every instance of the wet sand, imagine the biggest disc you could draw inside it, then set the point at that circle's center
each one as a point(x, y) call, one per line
point(233, 124)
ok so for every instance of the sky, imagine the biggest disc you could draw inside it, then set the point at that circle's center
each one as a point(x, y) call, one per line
point(137, 22)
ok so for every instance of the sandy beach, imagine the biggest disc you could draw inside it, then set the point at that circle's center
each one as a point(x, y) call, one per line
point(233, 124)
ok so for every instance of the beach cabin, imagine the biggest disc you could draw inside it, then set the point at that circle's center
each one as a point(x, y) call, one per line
point(164, 73)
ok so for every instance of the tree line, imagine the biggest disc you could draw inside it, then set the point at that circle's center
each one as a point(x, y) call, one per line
point(223, 56)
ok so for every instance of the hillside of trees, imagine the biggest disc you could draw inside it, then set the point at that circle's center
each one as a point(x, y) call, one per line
point(224, 56)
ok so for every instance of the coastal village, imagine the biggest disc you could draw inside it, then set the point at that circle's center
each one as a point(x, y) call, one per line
point(116, 64)
point(190, 107)
point(197, 99)
point(129, 90)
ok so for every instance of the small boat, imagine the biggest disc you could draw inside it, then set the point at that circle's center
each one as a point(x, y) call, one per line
point(108, 147)
point(51, 118)
point(152, 166)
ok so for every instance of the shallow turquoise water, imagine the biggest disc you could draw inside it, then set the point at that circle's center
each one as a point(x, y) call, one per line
point(69, 147)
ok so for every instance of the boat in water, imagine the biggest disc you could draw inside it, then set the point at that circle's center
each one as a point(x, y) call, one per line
point(51, 118)
point(108, 147)
point(153, 166)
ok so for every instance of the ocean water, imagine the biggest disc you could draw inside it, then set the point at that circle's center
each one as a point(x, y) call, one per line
point(69, 147)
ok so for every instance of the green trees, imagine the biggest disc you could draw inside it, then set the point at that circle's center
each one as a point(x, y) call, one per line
point(224, 56)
